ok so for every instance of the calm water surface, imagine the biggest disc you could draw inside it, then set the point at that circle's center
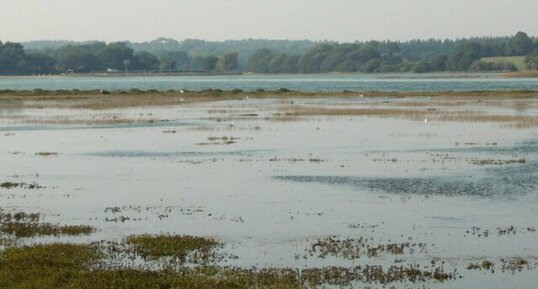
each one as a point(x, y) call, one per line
point(370, 82)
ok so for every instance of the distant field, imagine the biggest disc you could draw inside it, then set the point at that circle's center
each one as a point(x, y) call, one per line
point(518, 61)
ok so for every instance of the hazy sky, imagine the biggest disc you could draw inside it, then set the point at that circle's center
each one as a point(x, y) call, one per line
point(341, 20)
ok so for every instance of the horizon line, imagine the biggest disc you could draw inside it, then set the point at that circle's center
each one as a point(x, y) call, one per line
point(276, 39)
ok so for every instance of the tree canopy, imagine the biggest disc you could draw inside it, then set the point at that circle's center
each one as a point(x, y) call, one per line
point(267, 56)
point(387, 56)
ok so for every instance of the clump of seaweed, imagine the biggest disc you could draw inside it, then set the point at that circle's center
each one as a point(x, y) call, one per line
point(46, 154)
point(401, 273)
point(19, 217)
point(355, 248)
point(514, 264)
point(12, 185)
point(225, 140)
point(482, 162)
point(486, 264)
point(23, 225)
point(372, 274)
point(501, 231)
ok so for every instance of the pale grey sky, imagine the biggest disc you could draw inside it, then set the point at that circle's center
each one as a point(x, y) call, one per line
point(341, 20)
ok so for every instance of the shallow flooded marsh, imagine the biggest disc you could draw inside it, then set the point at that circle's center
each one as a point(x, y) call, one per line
point(276, 192)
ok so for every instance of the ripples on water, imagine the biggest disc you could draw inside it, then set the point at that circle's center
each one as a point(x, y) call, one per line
point(496, 182)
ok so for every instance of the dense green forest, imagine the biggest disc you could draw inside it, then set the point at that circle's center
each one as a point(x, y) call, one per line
point(413, 56)
point(267, 56)
point(100, 56)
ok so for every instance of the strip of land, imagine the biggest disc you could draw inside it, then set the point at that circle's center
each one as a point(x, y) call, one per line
point(96, 99)
point(514, 108)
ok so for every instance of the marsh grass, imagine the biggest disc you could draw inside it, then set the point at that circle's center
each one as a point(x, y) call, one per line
point(45, 266)
point(30, 229)
point(156, 246)
point(72, 266)
point(76, 266)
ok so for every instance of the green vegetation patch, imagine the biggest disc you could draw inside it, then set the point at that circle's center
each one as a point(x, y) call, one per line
point(518, 61)
point(51, 266)
point(71, 266)
point(22, 230)
point(201, 278)
point(156, 246)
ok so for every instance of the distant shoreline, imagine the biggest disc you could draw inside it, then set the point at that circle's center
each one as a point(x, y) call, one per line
point(122, 74)
point(429, 75)
point(101, 99)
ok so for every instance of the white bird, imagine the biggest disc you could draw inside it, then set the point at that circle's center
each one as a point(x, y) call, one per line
point(425, 120)
point(181, 91)
point(361, 96)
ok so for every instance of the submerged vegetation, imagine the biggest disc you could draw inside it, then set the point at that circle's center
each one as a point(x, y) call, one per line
point(355, 248)
point(23, 225)
point(19, 229)
point(12, 185)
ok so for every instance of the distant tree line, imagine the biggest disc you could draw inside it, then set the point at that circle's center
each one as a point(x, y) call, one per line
point(195, 48)
point(99, 57)
point(387, 56)
point(14, 60)
point(267, 56)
